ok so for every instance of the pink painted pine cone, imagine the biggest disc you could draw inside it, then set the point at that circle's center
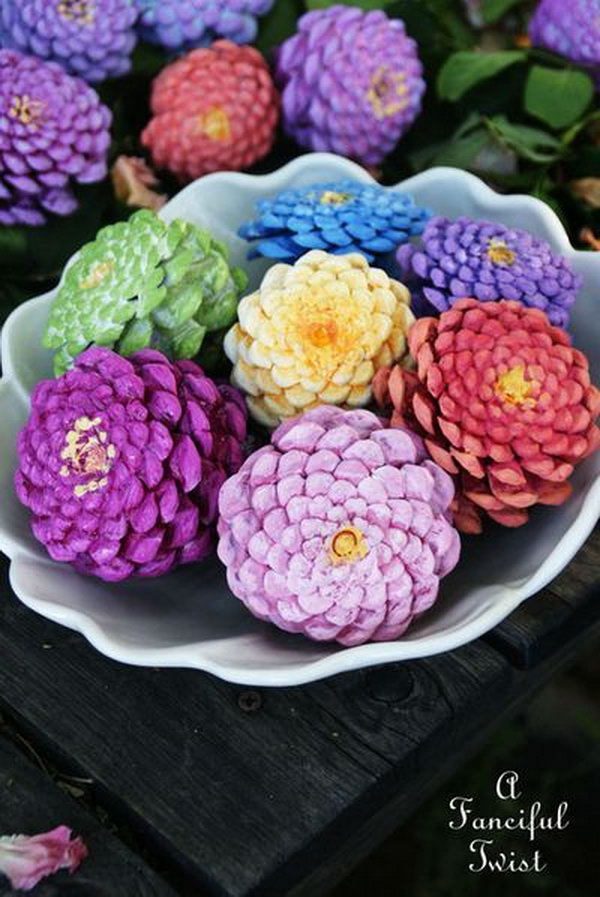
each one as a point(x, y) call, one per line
point(215, 109)
point(339, 528)
point(122, 460)
point(504, 404)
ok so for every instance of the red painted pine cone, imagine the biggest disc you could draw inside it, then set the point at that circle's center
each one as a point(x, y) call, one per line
point(215, 109)
point(504, 403)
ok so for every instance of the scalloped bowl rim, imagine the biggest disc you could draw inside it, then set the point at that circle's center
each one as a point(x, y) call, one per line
point(343, 659)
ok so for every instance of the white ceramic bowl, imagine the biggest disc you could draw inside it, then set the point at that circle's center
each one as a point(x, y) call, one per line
point(189, 618)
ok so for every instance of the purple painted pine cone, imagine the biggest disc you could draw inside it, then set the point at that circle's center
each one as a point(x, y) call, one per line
point(53, 130)
point(339, 529)
point(351, 82)
point(90, 38)
point(571, 29)
point(467, 258)
point(122, 460)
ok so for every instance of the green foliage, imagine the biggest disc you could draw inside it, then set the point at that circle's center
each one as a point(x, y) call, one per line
point(521, 118)
point(557, 97)
point(464, 69)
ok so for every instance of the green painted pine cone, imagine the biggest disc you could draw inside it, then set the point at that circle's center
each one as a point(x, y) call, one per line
point(144, 283)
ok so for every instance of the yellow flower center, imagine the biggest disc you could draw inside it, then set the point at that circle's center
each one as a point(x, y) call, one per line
point(97, 274)
point(499, 253)
point(80, 11)
point(347, 545)
point(334, 198)
point(512, 387)
point(215, 124)
point(27, 110)
point(87, 452)
point(387, 93)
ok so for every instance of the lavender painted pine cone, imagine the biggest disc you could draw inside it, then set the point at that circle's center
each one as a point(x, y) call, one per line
point(185, 24)
point(90, 38)
point(464, 258)
point(122, 460)
point(339, 529)
point(53, 131)
point(351, 82)
point(569, 29)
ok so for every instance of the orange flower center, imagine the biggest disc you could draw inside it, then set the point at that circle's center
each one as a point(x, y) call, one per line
point(215, 124)
point(322, 333)
point(80, 11)
point(347, 545)
point(27, 110)
point(512, 387)
point(499, 253)
point(87, 452)
point(97, 274)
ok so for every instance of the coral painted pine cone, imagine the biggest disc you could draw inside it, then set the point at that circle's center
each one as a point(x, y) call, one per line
point(504, 404)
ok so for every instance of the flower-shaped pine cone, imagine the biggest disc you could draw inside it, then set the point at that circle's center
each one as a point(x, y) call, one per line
point(314, 333)
point(337, 216)
point(504, 404)
point(144, 283)
point(338, 529)
point(214, 109)
point(54, 131)
point(466, 257)
point(185, 24)
point(90, 38)
point(351, 82)
point(122, 460)
point(572, 30)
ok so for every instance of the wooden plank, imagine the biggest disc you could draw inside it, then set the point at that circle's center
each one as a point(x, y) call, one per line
point(566, 607)
point(240, 799)
point(30, 802)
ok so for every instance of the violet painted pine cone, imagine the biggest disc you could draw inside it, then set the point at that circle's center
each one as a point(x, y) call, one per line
point(122, 460)
point(338, 529)
point(90, 38)
point(351, 82)
point(185, 24)
point(569, 29)
point(467, 257)
point(53, 131)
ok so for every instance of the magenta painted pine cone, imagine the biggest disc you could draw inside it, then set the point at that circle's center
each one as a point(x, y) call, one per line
point(215, 109)
point(338, 529)
point(351, 82)
point(122, 460)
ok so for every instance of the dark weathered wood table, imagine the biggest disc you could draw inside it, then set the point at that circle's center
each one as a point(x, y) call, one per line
point(209, 788)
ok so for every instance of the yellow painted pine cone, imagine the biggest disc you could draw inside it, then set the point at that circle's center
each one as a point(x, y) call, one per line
point(315, 333)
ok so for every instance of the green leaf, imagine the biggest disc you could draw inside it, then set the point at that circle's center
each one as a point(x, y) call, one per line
point(279, 24)
point(529, 143)
point(557, 96)
point(492, 10)
point(465, 69)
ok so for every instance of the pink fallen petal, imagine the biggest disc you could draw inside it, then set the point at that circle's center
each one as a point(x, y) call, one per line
point(25, 859)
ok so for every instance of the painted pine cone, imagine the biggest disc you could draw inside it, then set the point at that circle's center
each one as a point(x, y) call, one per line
point(314, 333)
point(504, 404)
point(338, 529)
point(459, 258)
point(90, 38)
point(144, 283)
point(185, 24)
point(215, 109)
point(54, 131)
point(351, 82)
point(122, 460)
point(336, 216)
point(572, 30)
